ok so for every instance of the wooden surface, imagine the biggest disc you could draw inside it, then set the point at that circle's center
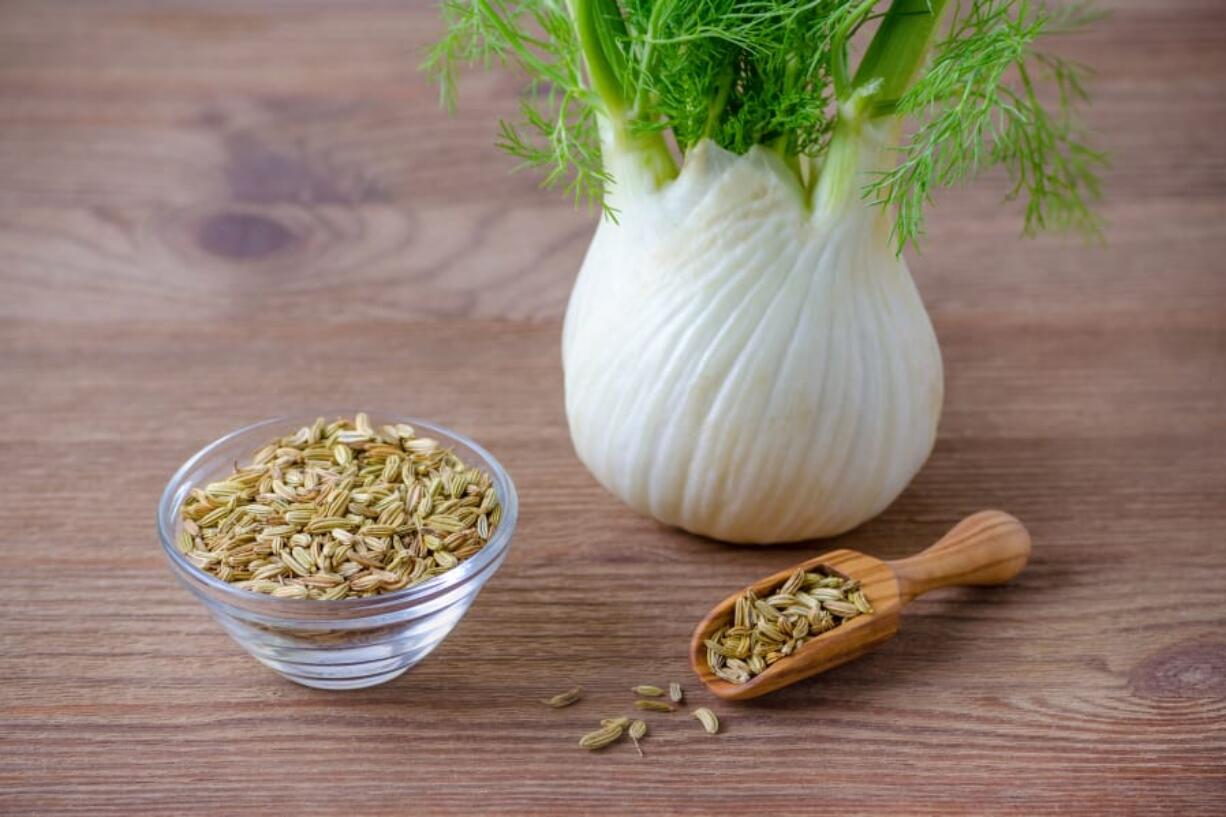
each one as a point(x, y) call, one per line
point(212, 212)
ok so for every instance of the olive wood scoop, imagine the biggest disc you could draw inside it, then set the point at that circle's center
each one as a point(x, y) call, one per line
point(990, 547)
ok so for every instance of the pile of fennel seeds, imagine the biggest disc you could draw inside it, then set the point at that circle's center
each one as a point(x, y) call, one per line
point(340, 510)
point(765, 630)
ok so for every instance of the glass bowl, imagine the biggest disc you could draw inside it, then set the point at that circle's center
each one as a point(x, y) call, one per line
point(347, 643)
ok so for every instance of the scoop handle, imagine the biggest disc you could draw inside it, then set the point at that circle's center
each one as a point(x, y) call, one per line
point(990, 547)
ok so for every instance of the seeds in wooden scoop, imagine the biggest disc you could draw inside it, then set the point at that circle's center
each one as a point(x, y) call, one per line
point(763, 631)
point(340, 509)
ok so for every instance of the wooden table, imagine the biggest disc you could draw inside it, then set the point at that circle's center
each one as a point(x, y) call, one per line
point(212, 212)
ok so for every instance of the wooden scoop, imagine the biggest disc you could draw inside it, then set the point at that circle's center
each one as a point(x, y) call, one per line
point(990, 547)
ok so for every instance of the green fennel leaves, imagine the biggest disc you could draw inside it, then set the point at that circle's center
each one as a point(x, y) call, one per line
point(977, 104)
point(965, 75)
point(558, 129)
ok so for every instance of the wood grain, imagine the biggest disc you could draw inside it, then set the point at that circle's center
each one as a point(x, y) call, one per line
point(213, 211)
point(987, 548)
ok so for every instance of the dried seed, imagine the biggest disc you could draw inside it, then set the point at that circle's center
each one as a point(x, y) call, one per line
point(647, 691)
point(328, 523)
point(653, 706)
point(770, 632)
point(600, 738)
point(708, 720)
point(293, 564)
point(638, 729)
point(732, 676)
point(674, 692)
point(737, 664)
point(303, 557)
point(566, 698)
point(364, 583)
point(793, 583)
point(842, 608)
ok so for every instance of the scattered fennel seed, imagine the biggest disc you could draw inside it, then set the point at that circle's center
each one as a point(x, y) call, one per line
point(652, 706)
point(609, 732)
point(707, 718)
point(637, 730)
point(566, 698)
point(613, 730)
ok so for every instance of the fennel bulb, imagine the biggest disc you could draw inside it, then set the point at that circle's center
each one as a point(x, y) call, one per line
point(745, 353)
point(743, 366)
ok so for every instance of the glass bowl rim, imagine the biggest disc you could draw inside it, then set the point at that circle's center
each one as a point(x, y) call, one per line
point(176, 489)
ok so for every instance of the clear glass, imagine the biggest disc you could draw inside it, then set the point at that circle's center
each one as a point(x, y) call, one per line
point(350, 643)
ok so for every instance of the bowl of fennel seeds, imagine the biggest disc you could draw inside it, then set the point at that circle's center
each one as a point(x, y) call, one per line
point(338, 551)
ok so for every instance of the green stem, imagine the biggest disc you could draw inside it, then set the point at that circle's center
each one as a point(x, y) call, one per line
point(716, 109)
point(893, 58)
point(792, 160)
point(842, 163)
point(652, 25)
point(838, 48)
point(898, 50)
point(783, 144)
point(591, 26)
point(598, 23)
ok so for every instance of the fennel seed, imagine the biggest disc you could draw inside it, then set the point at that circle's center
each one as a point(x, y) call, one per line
point(707, 718)
point(610, 732)
point(763, 631)
point(647, 691)
point(652, 706)
point(340, 509)
point(674, 692)
point(636, 731)
point(566, 698)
